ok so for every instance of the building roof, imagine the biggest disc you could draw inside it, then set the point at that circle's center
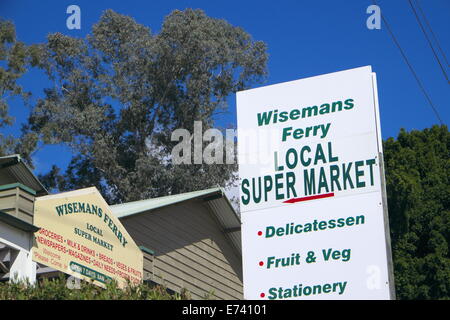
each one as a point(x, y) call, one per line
point(15, 169)
point(215, 198)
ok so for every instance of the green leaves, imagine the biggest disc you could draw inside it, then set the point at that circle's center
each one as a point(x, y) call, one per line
point(418, 179)
point(57, 289)
point(119, 93)
point(15, 59)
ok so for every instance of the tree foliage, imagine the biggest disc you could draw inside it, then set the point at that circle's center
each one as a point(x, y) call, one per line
point(121, 91)
point(417, 180)
point(57, 289)
point(15, 59)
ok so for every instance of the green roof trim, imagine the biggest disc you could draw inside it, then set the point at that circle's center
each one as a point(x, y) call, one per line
point(131, 208)
point(18, 223)
point(18, 185)
point(147, 250)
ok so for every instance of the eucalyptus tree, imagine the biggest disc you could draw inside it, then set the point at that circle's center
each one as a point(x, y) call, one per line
point(15, 60)
point(119, 93)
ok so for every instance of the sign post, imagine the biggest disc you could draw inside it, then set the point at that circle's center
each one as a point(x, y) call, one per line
point(80, 236)
point(311, 190)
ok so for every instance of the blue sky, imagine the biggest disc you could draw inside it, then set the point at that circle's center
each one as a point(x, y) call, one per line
point(304, 38)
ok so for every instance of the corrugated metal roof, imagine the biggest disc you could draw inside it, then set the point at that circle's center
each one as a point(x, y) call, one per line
point(130, 208)
point(20, 172)
point(228, 219)
point(216, 200)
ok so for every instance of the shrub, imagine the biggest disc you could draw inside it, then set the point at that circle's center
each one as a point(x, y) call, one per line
point(57, 289)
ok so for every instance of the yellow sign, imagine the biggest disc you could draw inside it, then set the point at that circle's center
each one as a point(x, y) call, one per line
point(80, 236)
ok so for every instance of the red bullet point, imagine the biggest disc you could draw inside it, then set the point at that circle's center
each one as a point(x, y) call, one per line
point(261, 263)
point(262, 295)
point(259, 233)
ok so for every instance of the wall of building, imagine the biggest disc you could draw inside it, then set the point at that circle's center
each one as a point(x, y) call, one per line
point(17, 201)
point(15, 246)
point(191, 251)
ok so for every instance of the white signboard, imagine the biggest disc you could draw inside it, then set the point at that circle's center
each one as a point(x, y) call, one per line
point(311, 189)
